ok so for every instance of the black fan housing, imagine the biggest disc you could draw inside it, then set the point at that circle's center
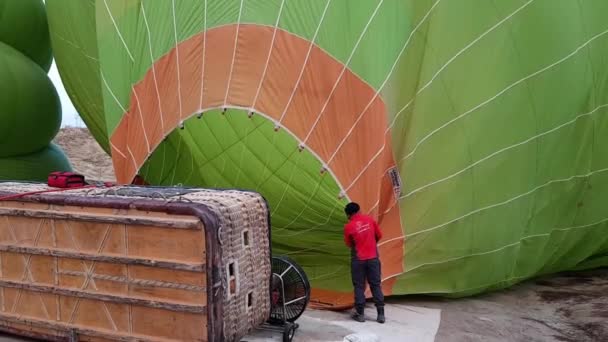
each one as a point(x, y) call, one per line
point(288, 277)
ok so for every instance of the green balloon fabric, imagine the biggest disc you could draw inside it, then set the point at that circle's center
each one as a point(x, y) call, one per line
point(35, 166)
point(23, 25)
point(79, 52)
point(31, 110)
point(474, 131)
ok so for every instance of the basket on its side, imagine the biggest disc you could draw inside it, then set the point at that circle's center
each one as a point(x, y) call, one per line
point(126, 263)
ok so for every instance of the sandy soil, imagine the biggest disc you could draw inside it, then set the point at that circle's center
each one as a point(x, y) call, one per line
point(567, 307)
point(86, 156)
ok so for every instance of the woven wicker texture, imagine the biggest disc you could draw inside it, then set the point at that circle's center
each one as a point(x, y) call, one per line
point(243, 233)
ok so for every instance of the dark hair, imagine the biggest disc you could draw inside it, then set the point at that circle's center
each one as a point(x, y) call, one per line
point(351, 208)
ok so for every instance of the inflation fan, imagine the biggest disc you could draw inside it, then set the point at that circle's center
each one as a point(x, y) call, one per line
point(290, 294)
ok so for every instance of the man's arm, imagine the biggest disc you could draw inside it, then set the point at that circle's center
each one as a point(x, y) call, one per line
point(377, 231)
point(347, 240)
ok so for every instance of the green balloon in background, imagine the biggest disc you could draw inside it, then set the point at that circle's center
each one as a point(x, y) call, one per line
point(23, 25)
point(30, 109)
point(35, 166)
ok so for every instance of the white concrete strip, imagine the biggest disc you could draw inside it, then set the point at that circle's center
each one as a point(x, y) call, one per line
point(403, 323)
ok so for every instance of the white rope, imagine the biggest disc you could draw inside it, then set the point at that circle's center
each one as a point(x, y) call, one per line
point(500, 93)
point(274, 33)
point(132, 159)
point(160, 108)
point(187, 181)
point(382, 175)
point(179, 86)
point(424, 87)
point(224, 159)
point(204, 54)
point(249, 110)
point(177, 155)
point(443, 67)
point(278, 205)
point(118, 31)
point(236, 42)
point(521, 143)
point(534, 74)
point(302, 143)
point(141, 120)
point(356, 179)
point(497, 249)
point(268, 155)
point(310, 46)
point(315, 227)
point(386, 242)
point(146, 173)
point(407, 42)
point(335, 86)
point(476, 211)
point(112, 93)
point(72, 44)
point(305, 206)
point(247, 136)
point(118, 150)
point(162, 169)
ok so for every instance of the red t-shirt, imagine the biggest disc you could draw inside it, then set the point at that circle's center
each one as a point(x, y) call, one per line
point(362, 233)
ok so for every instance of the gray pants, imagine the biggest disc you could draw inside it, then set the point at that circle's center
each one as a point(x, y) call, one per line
point(369, 270)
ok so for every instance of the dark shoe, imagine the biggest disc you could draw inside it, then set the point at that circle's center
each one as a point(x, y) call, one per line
point(381, 319)
point(358, 317)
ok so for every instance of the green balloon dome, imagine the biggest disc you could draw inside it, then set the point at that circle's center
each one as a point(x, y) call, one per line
point(23, 25)
point(34, 166)
point(31, 110)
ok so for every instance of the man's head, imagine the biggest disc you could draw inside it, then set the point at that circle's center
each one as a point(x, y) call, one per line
point(351, 209)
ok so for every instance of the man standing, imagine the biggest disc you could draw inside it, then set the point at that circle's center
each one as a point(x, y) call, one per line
point(362, 234)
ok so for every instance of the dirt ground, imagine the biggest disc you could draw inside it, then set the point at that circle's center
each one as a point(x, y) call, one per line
point(86, 156)
point(569, 307)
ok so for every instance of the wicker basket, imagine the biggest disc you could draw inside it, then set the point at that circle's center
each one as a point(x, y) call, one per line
point(133, 263)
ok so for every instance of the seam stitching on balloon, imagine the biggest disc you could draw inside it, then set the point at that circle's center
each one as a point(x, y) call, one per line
point(249, 109)
point(274, 34)
point(335, 86)
point(536, 73)
point(236, 44)
point(177, 156)
point(179, 85)
point(141, 119)
point(118, 31)
point(441, 69)
point(160, 108)
point(317, 225)
point(506, 89)
point(509, 200)
point(132, 158)
point(498, 249)
point(310, 47)
point(394, 66)
point(495, 205)
point(468, 46)
point(255, 99)
point(118, 150)
point(204, 54)
point(504, 149)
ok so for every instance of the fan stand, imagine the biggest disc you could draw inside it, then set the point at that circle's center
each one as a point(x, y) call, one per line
point(281, 320)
